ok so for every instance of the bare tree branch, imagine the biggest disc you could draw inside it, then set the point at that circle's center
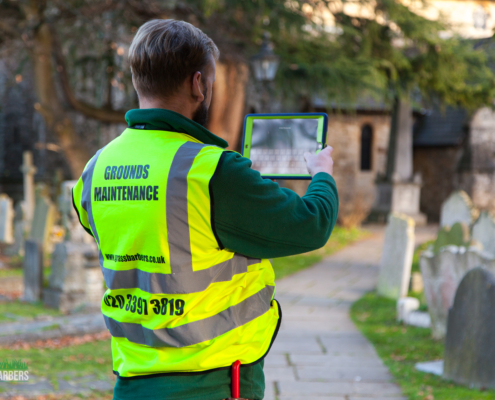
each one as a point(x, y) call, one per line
point(104, 114)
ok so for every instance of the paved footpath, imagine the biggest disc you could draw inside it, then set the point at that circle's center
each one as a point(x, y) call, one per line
point(319, 353)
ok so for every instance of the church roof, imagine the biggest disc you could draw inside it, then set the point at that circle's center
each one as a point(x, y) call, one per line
point(446, 127)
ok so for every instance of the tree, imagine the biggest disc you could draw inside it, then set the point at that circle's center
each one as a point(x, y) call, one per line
point(77, 49)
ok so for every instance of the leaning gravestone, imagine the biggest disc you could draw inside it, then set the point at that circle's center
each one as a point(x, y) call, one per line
point(458, 208)
point(33, 271)
point(484, 232)
point(396, 261)
point(6, 219)
point(470, 341)
point(43, 219)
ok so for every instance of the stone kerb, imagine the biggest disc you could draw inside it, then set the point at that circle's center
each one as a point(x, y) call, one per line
point(442, 273)
point(458, 208)
point(396, 261)
point(470, 342)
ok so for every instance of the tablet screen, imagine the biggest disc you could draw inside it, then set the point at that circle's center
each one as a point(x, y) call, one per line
point(278, 145)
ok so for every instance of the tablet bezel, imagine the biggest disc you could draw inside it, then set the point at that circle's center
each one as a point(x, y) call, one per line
point(248, 120)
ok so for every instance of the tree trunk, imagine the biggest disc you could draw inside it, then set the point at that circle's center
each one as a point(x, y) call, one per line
point(400, 148)
point(227, 107)
point(49, 105)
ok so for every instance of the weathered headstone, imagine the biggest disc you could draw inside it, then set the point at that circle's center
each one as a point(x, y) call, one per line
point(33, 270)
point(442, 272)
point(470, 341)
point(76, 279)
point(458, 208)
point(74, 232)
point(43, 219)
point(6, 219)
point(28, 171)
point(396, 261)
point(484, 232)
point(17, 248)
point(457, 235)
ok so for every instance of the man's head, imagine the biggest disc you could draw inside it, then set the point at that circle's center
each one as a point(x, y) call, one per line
point(173, 66)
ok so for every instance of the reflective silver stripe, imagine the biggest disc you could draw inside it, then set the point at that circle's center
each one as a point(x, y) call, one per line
point(197, 331)
point(87, 178)
point(179, 243)
point(181, 282)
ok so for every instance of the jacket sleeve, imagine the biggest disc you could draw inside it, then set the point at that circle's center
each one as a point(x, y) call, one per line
point(77, 204)
point(257, 218)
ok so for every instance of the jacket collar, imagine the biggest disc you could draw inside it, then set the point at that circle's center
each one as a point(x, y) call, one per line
point(167, 120)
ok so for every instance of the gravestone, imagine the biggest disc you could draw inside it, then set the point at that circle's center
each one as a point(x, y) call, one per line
point(457, 235)
point(6, 219)
point(76, 279)
point(74, 231)
point(43, 219)
point(396, 261)
point(458, 208)
point(33, 270)
point(28, 171)
point(470, 341)
point(484, 232)
point(442, 272)
point(17, 248)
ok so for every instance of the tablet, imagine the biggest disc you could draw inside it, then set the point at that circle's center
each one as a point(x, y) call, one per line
point(276, 143)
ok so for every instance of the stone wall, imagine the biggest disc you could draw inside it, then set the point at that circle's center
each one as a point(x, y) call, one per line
point(437, 166)
point(477, 175)
point(357, 188)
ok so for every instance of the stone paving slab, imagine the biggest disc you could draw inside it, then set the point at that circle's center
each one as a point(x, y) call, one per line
point(319, 353)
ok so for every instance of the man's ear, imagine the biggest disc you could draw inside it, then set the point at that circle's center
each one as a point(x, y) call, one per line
point(197, 91)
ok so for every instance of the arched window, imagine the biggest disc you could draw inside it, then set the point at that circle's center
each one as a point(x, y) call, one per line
point(366, 147)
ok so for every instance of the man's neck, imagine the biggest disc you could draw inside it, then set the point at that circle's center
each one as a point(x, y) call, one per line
point(177, 105)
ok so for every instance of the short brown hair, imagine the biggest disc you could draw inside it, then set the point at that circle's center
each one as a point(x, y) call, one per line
point(164, 53)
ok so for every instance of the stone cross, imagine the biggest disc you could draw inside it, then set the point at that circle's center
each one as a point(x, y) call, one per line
point(484, 232)
point(396, 261)
point(470, 341)
point(458, 208)
point(6, 219)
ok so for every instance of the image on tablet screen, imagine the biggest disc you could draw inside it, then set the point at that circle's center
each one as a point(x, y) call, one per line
point(278, 145)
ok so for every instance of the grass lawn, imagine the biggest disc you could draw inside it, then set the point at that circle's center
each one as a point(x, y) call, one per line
point(340, 238)
point(92, 358)
point(10, 310)
point(400, 347)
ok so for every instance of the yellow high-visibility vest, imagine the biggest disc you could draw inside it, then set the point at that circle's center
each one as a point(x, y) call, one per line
point(175, 302)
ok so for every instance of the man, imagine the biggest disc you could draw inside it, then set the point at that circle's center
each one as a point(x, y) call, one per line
point(184, 228)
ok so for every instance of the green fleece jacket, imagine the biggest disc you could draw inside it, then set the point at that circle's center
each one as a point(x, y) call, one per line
point(251, 216)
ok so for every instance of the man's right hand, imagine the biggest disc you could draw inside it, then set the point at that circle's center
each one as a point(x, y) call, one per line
point(321, 162)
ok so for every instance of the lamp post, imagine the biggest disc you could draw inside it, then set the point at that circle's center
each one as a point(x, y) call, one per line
point(265, 65)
